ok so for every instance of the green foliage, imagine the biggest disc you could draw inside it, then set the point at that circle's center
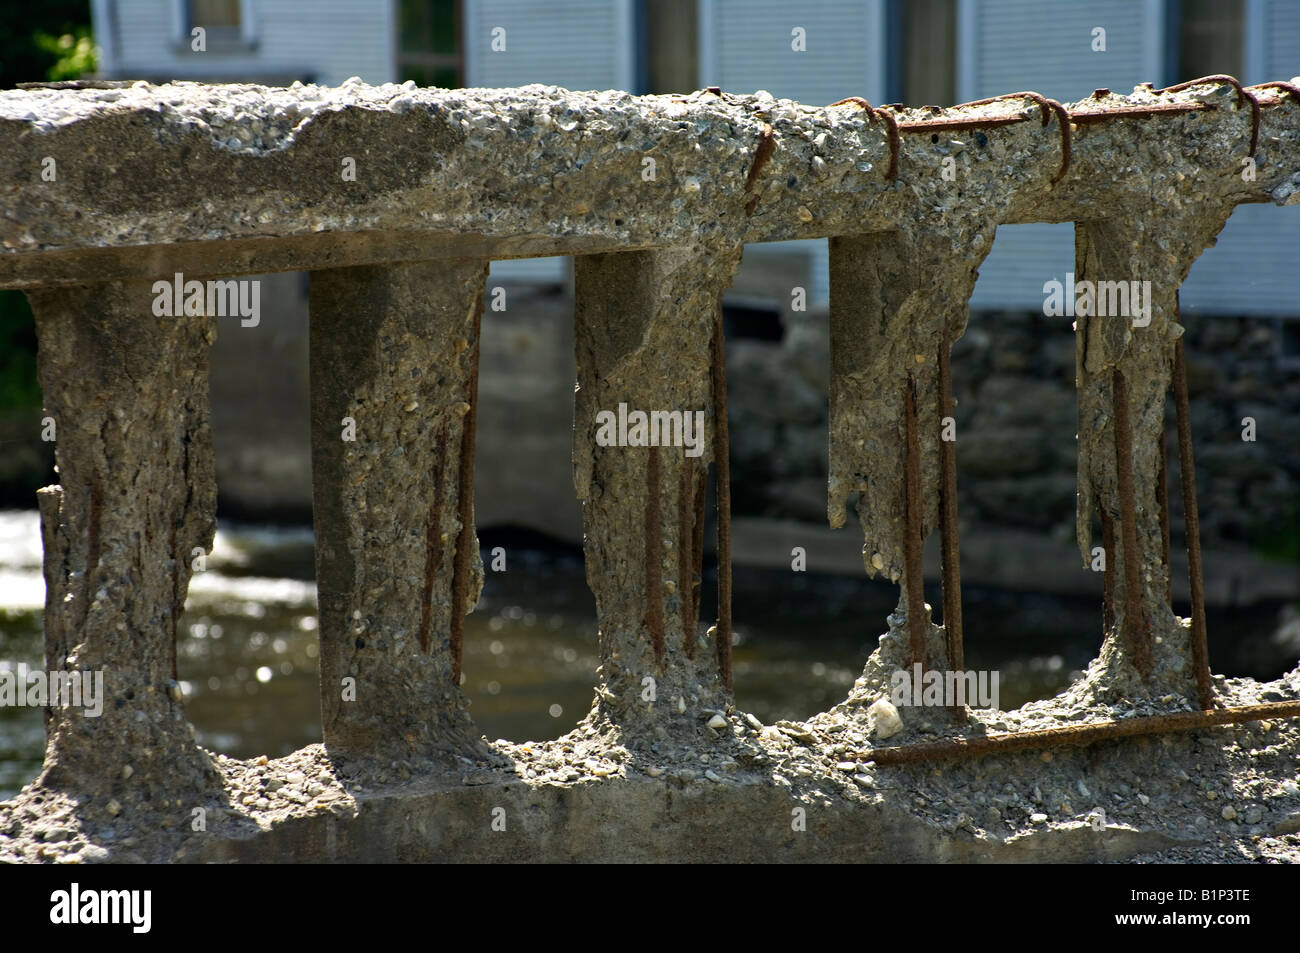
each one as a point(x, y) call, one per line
point(76, 53)
point(22, 58)
point(1277, 538)
point(19, 388)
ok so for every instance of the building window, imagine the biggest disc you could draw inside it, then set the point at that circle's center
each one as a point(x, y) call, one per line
point(923, 37)
point(1210, 38)
point(669, 32)
point(429, 49)
point(219, 18)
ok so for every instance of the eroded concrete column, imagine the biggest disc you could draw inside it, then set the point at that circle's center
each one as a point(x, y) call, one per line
point(1127, 274)
point(897, 301)
point(645, 329)
point(128, 392)
point(393, 380)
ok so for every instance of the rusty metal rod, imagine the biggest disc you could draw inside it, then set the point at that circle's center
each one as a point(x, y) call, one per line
point(697, 548)
point(1137, 633)
point(1048, 107)
point(433, 545)
point(1192, 529)
point(913, 540)
point(1243, 95)
point(891, 126)
point(654, 558)
point(766, 146)
point(1081, 117)
point(722, 461)
point(948, 530)
point(686, 554)
point(1078, 734)
point(465, 541)
point(1107, 574)
point(1162, 500)
point(940, 125)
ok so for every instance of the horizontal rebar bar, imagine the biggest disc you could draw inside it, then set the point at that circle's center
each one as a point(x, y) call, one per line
point(1078, 734)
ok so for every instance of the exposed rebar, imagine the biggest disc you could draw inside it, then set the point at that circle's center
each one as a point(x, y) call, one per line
point(433, 545)
point(654, 556)
point(1137, 632)
point(1162, 501)
point(948, 528)
point(913, 576)
point(1077, 734)
point(461, 562)
point(722, 461)
point(686, 555)
point(1192, 529)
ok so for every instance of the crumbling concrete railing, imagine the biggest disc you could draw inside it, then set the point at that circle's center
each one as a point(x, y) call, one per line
point(119, 196)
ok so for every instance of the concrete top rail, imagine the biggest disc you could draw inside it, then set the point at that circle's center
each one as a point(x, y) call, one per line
point(514, 173)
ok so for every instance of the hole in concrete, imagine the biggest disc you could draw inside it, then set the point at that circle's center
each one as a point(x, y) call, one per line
point(1029, 611)
point(247, 643)
point(800, 637)
point(530, 652)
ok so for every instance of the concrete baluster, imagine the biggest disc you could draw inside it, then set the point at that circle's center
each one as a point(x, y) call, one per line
point(645, 326)
point(393, 378)
point(135, 506)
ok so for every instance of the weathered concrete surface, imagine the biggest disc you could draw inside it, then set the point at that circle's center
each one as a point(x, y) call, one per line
point(128, 392)
point(393, 368)
point(747, 793)
point(644, 327)
point(499, 173)
point(1157, 246)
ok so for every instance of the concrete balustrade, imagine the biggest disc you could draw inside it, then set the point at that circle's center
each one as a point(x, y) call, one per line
point(395, 199)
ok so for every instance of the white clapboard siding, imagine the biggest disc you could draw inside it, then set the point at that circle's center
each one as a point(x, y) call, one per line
point(1250, 271)
point(327, 40)
point(577, 44)
point(1005, 46)
point(745, 46)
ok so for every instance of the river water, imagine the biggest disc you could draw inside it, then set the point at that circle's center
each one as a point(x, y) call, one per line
point(248, 642)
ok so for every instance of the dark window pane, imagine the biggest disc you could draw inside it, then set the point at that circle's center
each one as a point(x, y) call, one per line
point(214, 13)
point(1210, 38)
point(427, 26)
point(929, 52)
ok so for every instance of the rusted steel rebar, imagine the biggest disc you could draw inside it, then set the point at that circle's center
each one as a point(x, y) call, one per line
point(1086, 117)
point(766, 146)
point(914, 537)
point(686, 554)
point(433, 545)
point(1048, 107)
point(1285, 88)
point(465, 541)
point(1108, 573)
point(892, 127)
point(1243, 95)
point(948, 527)
point(942, 125)
point(1137, 633)
point(654, 557)
point(1192, 529)
point(697, 547)
point(722, 461)
point(1078, 734)
point(1162, 501)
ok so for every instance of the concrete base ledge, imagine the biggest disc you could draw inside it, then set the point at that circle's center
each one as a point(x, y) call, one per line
point(690, 789)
